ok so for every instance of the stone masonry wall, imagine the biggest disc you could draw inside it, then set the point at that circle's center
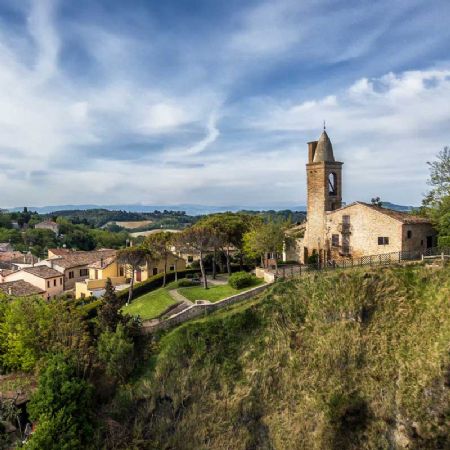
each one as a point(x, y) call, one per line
point(366, 225)
point(199, 310)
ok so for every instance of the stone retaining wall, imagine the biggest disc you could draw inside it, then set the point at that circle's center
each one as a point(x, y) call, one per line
point(150, 326)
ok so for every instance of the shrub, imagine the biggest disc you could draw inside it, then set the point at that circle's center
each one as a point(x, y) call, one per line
point(241, 280)
point(185, 283)
point(444, 241)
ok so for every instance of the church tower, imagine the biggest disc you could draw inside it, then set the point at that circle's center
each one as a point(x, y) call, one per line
point(324, 193)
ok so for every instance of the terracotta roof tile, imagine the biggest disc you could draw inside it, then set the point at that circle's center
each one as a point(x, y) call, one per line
point(42, 271)
point(20, 288)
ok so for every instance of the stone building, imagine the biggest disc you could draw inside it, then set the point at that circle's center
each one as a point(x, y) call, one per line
point(334, 231)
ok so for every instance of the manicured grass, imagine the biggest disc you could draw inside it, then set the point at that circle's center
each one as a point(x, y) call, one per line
point(214, 293)
point(150, 305)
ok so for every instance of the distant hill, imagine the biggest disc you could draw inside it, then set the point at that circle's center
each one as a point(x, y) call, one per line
point(190, 209)
point(403, 208)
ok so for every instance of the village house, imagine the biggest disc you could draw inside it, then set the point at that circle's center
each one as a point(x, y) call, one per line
point(334, 231)
point(99, 272)
point(48, 280)
point(48, 225)
point(120, 275)
point(6, 247)
point(21, 288)
point(74, 265)
point(155, 266)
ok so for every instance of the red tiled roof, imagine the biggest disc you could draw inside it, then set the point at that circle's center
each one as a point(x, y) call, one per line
point(42, 271)
point(20, 288)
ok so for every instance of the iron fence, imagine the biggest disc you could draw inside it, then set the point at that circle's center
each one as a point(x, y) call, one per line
point(292, 271)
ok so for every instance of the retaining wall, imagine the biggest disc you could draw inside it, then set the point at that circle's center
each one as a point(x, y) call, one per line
point(194, 311)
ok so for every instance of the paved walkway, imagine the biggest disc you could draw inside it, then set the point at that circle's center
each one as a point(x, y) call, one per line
point(179, 298)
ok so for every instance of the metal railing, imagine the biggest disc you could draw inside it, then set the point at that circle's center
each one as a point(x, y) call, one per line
point(292, 271)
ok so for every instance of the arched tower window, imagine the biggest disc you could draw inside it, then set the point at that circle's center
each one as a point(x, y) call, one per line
point(332, 184)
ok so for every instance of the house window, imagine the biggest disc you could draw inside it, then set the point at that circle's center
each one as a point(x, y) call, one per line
point(121, 272)
point(335, 240)
point(346, 220)
point(96, 274)
point(48, 284)
point(60, 281)
point(171, 268)
point(155, 271)
point(409, 234)
point(54, 282)
point(190, 258)
point(383, 241)
point(84, 272)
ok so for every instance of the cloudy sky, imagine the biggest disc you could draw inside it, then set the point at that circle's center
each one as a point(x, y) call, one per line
point(212, 102)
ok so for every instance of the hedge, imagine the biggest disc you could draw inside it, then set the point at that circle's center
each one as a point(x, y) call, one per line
point(153, 283)
point(239, 280)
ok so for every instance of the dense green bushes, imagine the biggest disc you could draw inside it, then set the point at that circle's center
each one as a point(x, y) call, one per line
point(444, 241)
point(240, 280)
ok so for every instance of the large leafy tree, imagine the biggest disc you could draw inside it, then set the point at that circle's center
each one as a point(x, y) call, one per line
point(31, 328)
point(265, 238)
point(437, 201)
point(229, 229)
point(159, 246)
point(199, 239)
point(133, 258)
point(62, 408)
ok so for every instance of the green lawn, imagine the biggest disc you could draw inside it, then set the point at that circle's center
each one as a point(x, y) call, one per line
point(214, 293)
point(150, 305)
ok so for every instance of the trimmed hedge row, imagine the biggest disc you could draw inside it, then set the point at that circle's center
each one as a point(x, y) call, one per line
point(153, 283)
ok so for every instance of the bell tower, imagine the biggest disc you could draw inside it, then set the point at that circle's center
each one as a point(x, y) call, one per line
point(324, 193)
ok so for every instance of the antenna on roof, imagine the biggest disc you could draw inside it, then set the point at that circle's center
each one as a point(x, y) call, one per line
point(324, 126)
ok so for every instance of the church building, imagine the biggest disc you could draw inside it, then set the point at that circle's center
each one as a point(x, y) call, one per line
point(334, 231)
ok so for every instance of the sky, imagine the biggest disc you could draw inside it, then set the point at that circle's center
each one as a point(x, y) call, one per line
point(212, 102)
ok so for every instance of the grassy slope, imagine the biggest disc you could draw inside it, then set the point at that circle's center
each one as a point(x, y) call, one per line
point(213, 293)
point(150, 305)
point(349, 361)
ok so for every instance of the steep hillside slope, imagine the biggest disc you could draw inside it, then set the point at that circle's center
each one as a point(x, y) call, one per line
point(349, 361)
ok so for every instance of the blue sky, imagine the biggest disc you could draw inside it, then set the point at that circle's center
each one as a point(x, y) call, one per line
point(212, 102)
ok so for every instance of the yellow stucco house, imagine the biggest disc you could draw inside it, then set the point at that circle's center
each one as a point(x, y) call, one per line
point(120, 275)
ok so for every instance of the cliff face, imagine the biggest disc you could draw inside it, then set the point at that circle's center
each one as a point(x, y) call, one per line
point(354, 360)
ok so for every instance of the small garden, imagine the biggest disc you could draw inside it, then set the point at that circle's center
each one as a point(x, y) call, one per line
point(156, 302)
point(150, 305)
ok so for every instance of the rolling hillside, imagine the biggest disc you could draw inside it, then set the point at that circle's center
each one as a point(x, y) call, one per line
point(354, 360)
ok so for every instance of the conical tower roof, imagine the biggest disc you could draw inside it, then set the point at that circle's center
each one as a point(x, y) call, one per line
point(324, 149)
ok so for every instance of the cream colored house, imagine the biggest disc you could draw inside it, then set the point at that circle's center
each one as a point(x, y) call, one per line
point(120, 275)
point(334, 231)
point(74, 265)
point(48, 280)
point(99, 272)
point(154, 267)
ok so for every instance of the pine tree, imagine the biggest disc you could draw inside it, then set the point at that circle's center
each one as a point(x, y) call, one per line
point(109, 315)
